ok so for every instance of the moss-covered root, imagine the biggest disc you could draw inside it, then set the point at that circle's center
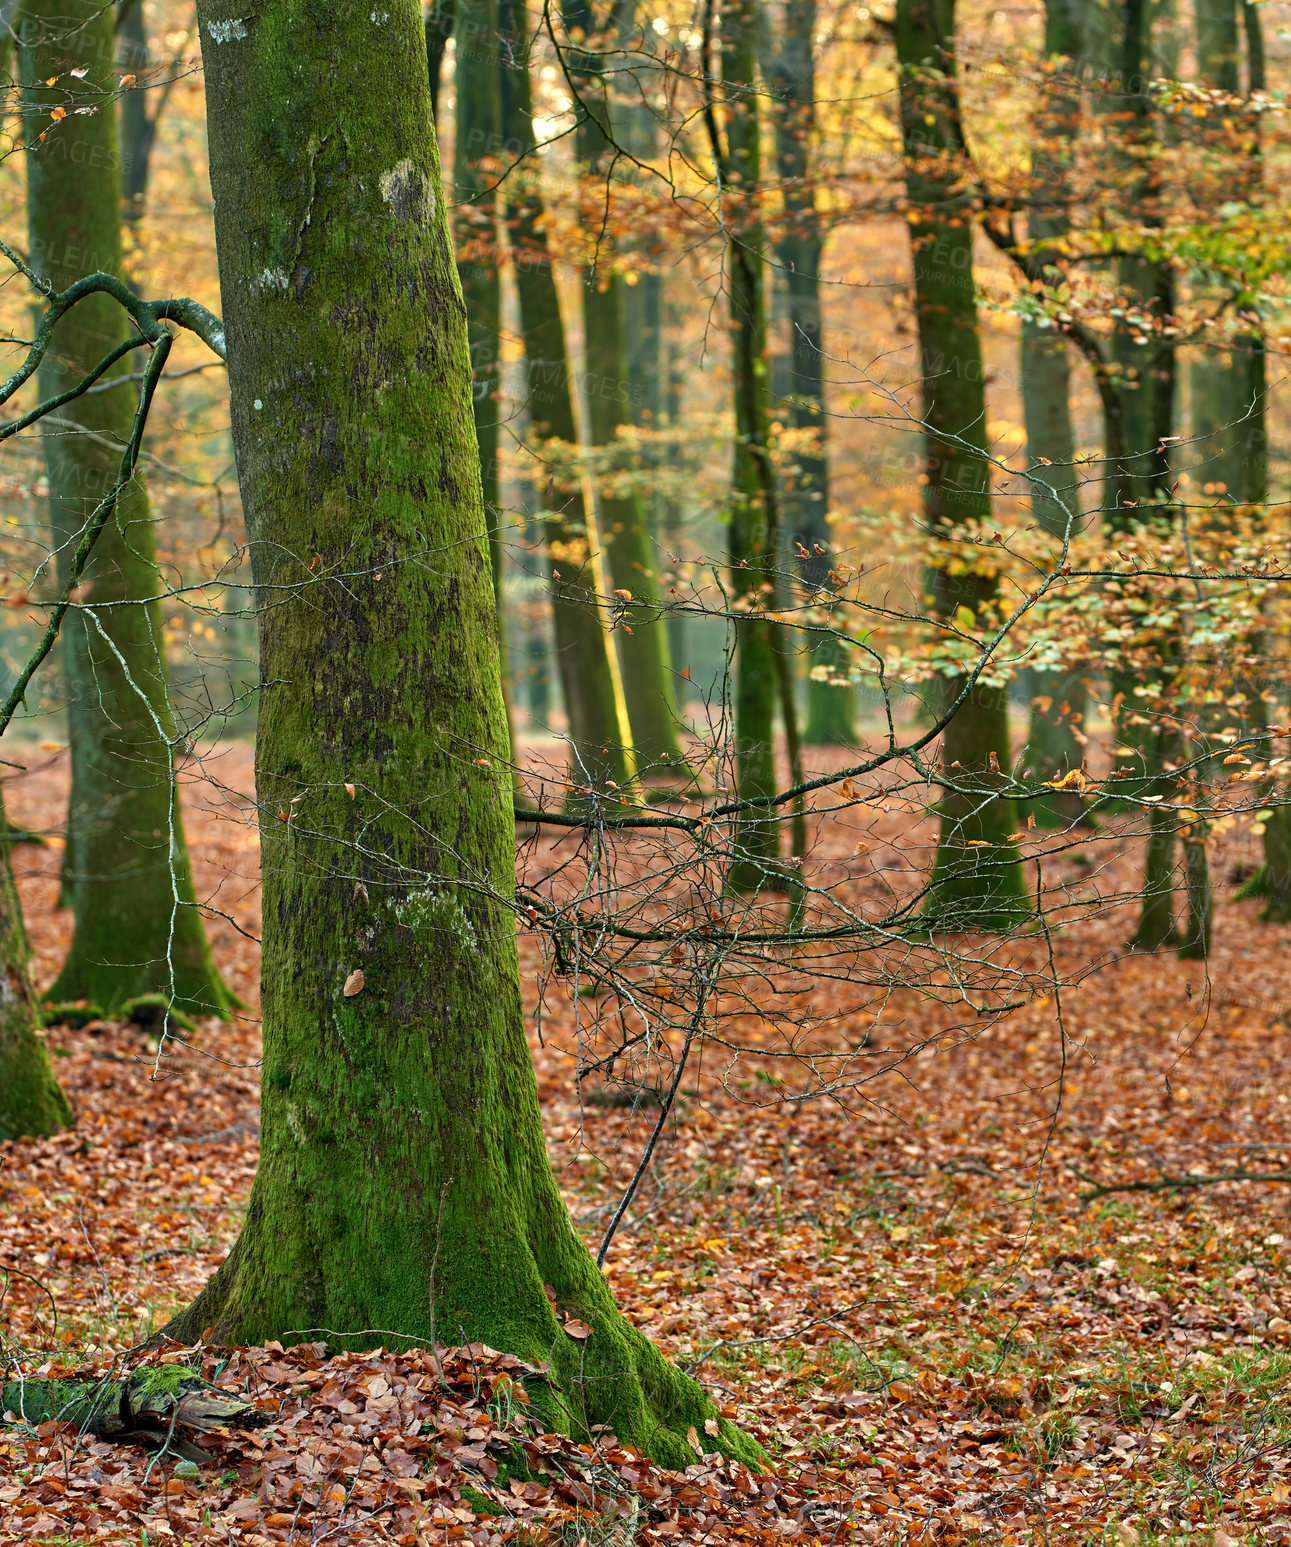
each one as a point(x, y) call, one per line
point(1272, 881)
point(148, 1405)
point(31, 1100)
point(1277, 898)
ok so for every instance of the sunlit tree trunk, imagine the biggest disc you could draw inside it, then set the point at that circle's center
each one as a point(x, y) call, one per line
point(978, 882)
point(629, 550)
point(31, 1100)
point(600, 731)
point(799, 248)
point(403, 1183)
point(137, 928)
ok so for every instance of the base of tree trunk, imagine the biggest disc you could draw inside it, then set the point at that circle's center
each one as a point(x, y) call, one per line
point(32, 1103)
point(1155, 933)
point(1275, 890)
point(151, 1407)
point(599, 1369)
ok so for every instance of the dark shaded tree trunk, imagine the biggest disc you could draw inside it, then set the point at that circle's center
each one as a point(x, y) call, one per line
point(1227, 404)
point(441, 16)
point(31, 1099)
point(599, 727)
point(1272, 881)
point(1140, 480)
point(753, 542)
point(403, 1181)
point(126, 872)
point(1057, 698)
point(791, 79)
point(978, 882)
point(477, 154)
point(138, 127)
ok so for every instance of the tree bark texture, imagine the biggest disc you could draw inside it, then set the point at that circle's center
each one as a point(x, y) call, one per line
point(476, 164)
point(752, 541)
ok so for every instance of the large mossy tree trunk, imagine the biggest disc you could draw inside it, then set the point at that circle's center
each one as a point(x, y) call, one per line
point(403, 1181)
point(629, 548)
point(126, 872)
point(977, 882)
point(595, 703)
point(799, 248)
point(1057, 698)
point(31, 1099)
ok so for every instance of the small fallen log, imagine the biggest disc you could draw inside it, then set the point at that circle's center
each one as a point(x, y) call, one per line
point(1167, 1183)
point(148, 1406)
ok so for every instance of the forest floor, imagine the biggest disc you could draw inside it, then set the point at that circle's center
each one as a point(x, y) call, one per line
point(905, 1297)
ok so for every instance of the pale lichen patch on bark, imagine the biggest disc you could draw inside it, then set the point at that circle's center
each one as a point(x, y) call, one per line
point(234, 30)
point(408, 192)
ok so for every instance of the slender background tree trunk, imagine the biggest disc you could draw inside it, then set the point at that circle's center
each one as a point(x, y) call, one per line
point(1057, 698)
point(137, 928)
point(599, 727)
point(753, 540)
point(977, 882)
point(799, 248)
point(629, 551)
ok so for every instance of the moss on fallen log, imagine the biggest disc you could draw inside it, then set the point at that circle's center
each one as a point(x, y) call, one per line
point(147, 1406)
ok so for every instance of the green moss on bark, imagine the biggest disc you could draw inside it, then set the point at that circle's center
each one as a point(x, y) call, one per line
point(1272, 881)
point(403, 1183)
point(126, 874)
